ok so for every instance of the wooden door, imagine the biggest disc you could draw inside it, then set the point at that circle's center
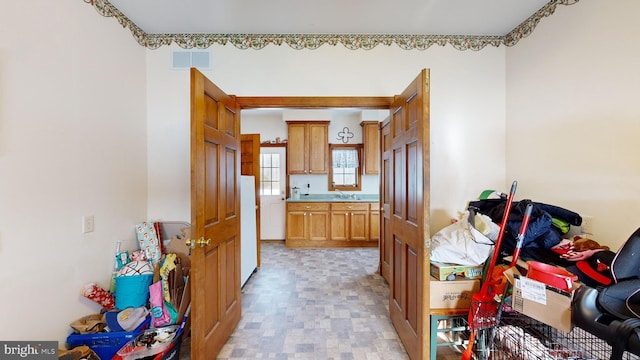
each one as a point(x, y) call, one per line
point(319, 225)
point(339, 223)
point(385, 201)
point(297, 156)
point(359, 225)
point(250, 165)
point(215, 217)
point(318, 147)
point(296, 224)
point(371, 144)
point(409, 291)
point(374, 223)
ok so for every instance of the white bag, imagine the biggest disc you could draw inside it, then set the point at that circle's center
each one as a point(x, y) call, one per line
point(461, 244)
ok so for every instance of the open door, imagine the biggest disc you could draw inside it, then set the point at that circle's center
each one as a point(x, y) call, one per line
point(409, 225)
point(386, 242)
point(250, 165)
point(215, 217)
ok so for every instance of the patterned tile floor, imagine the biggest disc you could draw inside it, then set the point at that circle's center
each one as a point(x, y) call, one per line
point(314, 304)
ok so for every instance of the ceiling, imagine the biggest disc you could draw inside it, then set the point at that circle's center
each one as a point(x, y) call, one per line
point(465, 24)
point(433, 17)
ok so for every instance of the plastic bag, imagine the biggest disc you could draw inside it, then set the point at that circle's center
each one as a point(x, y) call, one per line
point(460, 243)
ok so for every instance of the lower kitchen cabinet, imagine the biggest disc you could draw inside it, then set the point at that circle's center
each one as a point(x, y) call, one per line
point(335, 224)
point(349, 221)
point(307, 223)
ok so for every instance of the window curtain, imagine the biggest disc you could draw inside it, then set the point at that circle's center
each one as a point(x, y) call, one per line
point(347, 158)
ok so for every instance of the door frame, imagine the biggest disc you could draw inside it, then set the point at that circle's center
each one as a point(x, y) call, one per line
point(314, 102)
point(414, 344)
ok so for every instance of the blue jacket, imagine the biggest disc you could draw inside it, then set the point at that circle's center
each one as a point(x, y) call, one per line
point(540, 232)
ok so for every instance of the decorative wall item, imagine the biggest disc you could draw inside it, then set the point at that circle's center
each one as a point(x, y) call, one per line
point(345, 135)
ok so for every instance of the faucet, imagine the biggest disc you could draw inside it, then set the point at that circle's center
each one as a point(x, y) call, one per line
point(341, 195)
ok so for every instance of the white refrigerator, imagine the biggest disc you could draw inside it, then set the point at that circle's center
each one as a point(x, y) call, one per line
point(248, 235)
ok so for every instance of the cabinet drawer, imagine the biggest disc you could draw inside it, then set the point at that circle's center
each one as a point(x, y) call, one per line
point(315, 206)
point(349, 206)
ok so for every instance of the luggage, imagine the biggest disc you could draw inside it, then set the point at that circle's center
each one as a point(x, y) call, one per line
point(622, 298)
point(613, 312)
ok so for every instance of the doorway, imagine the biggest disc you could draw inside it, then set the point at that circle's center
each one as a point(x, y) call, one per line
point(409, 194)
point(273, 175)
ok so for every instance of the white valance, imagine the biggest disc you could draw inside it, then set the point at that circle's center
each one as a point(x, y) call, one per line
point(345, 158)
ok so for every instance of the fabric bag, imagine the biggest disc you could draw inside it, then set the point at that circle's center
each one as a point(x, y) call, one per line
point(460, 243)
point(160, 316)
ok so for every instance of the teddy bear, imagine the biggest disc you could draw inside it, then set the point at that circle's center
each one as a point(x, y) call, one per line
point(582, 244)
point(582, 248)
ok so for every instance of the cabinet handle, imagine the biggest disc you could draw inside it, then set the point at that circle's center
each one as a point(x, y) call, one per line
point(307, 207)
point(346, 214)
point(351, 214)
point(304, 214)
point(310, 171)
point(349, 207)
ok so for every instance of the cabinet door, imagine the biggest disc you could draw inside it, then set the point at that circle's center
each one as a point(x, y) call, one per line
point(339, 225)
point(296, 227)
point(297, 149)
point(358, 225)
point(318, 148)
point(374, 223)
point(371, 143)
point(318, 225)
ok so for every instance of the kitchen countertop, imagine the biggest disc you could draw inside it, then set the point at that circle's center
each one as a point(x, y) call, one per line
point(336, 198)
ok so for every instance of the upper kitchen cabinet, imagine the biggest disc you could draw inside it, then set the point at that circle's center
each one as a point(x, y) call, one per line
point(308, 143)
point(371, 144)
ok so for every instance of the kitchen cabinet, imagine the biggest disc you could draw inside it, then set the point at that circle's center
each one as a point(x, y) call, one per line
point(307, 224)
point(371, 145)
point(374, 222)
point(308, 144)
point(349, 221)
point(332, 224)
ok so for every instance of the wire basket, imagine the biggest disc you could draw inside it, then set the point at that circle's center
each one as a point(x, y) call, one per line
point(484, 314)
point(519, 337)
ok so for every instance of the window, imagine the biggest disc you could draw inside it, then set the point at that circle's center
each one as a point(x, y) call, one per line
point(345, 169)
point(270, 174)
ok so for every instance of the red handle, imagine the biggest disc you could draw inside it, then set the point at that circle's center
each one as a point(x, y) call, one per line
point(521, 233)
point(503, 225)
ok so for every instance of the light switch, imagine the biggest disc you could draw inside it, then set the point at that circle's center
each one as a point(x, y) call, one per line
point(87, 224)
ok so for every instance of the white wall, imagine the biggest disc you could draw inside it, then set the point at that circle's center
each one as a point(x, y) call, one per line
point(467, 110)
point(573, 116)
point(72, 143)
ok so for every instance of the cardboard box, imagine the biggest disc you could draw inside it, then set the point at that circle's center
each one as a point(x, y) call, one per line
point(446, 271)
point(454, 294)
point(542, 302)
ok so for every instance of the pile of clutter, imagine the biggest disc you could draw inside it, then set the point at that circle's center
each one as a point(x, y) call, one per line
point(146, 309)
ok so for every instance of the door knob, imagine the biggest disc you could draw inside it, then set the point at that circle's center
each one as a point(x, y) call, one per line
point(202, 242)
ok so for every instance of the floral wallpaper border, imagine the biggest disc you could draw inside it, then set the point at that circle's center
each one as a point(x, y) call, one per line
point(314, 41)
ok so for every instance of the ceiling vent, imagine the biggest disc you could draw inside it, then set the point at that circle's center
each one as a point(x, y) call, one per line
point(185, 59)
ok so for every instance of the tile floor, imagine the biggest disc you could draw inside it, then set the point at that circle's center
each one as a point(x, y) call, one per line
point(315, 304)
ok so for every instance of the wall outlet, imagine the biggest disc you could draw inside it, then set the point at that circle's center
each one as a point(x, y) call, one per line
point(587, 225)
point(87, 224)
